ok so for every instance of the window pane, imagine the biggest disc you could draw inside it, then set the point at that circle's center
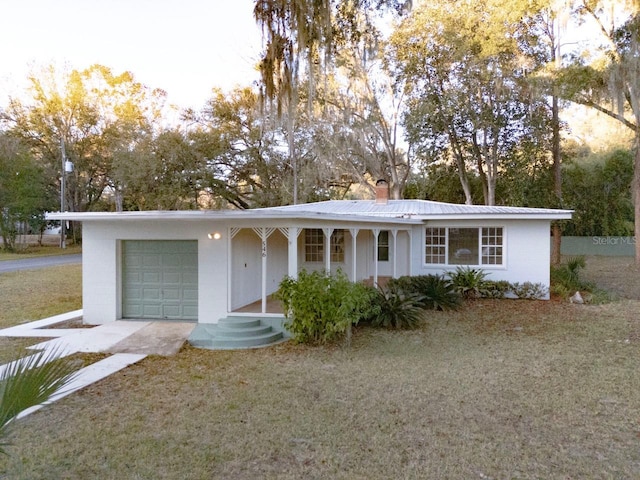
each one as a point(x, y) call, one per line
point(383, 246)
point(435, 245)
point(313, 245)
point(337, 246)
point(492, 246)
point(463, 246)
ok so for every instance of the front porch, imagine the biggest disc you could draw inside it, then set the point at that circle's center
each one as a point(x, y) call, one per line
point(260, 257)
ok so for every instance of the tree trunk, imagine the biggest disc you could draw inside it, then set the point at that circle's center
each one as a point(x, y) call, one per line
point(636, 199)
point(557, 178)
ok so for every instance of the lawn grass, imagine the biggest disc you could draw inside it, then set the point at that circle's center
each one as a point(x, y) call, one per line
point(39, 251)
point(34, 294)
point(500, 389)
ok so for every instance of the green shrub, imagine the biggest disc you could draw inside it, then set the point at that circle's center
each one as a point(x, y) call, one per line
point(436, 291)
point(496, 288)
point(565, 278)
point(529, 291)
point(469, 282)
point(321, 308)
point(397, 308)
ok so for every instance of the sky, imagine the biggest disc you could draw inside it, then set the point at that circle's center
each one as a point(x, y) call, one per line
point(185, 47)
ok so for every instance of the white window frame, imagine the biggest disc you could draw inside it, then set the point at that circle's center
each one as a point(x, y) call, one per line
point(481, 246)
point(382, 246)
point(337, 245)
point(313, 250)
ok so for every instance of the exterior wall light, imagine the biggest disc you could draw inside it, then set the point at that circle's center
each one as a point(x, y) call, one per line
point(215, 236)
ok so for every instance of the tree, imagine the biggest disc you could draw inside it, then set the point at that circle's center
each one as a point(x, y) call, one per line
point(242, 150)
point(94, 113)
point(606, 75)
point(599, 190)
point(299, 38)
point(358, 129)
point(24, 196)
point(469, 99)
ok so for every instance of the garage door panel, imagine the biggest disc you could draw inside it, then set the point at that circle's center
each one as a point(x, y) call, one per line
point(172, 261)
point(171, 278)
point(169, 294)
point(152, 278)
point(160, 279)
point(151, 311)
point(189, 278)
point(151, 260)
point(151, 294)
point(133, 261)
point(134, 310)
point(132, 278)
point(133, 294)
point(189, 260)
point(172, 311)
point(190, 294)
point(189, 311)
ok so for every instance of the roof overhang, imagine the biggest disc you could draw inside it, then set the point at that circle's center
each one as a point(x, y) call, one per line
point(227, 216)
point(558, 215)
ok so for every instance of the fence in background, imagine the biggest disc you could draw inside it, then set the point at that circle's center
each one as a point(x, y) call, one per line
point(605, 246)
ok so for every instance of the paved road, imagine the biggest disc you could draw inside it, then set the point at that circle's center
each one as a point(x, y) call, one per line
point(38, 262)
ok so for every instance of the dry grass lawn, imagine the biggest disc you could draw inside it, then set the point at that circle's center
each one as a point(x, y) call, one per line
point(500, 389)
point(34, 294)
point(39, 251)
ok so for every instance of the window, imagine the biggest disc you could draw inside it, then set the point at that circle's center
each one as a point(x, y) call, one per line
point(313, 245)
point(492, 246)
point(337, 246)
point(464, 246)
point(436, 245)
point(383, 246)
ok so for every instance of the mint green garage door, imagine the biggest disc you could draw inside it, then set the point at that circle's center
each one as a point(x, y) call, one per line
point(160, 279)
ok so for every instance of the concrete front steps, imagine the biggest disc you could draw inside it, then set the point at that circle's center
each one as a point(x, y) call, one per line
point(235, 333)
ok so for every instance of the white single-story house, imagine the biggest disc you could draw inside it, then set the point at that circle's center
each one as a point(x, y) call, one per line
point(204, 266)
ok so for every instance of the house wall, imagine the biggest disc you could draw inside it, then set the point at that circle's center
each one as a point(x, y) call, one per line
point(246, 267)
point(365, 256)
point(526, 250)
point(101, 283)
point(318, 266)
point(385, 269)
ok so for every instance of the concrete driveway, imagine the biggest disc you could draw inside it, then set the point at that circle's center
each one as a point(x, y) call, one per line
point(128, 342)
point(39, 262)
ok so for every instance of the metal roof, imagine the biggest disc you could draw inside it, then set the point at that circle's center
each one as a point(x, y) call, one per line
point(422, 209)
point(394, 211)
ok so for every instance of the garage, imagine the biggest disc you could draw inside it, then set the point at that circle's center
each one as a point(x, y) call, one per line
point(160, 279)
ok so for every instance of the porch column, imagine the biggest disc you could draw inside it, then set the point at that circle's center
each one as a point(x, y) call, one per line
point(264, 234)
point(232, 232)
point(327, 250)
point(292, 234)
point(394, 232)
point(354, 253)
point(410, 235)
point(376, 232)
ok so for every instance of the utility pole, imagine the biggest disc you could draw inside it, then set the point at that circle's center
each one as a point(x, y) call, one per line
point(63, 174)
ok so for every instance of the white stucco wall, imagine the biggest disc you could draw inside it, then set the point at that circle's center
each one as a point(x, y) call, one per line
point(526, 258)
point(526, 251)
point(101, 284)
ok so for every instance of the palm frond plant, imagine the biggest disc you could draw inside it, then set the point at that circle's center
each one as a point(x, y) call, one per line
point(397, 308)
point(31, 381)
point(565, 278)
point(437, 292)
point(469, 282)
